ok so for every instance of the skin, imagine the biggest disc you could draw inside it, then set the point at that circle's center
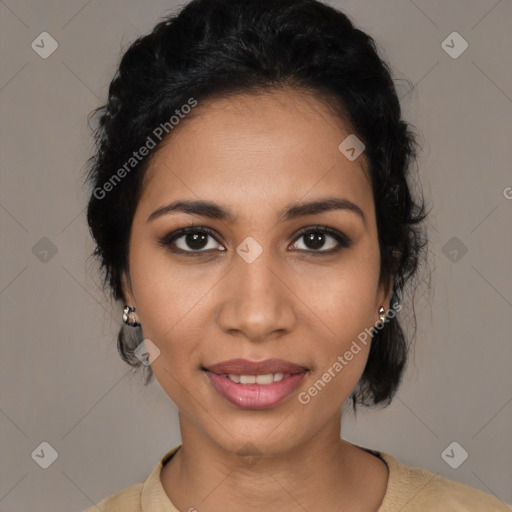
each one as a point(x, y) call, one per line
point(256, 154)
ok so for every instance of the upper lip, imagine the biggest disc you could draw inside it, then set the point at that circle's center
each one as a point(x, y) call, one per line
point(246, 367)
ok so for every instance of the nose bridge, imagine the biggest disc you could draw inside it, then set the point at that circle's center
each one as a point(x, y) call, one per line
point(254, 272)
point(257, 302)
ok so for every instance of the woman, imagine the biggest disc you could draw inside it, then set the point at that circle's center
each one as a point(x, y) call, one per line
point(251, 209)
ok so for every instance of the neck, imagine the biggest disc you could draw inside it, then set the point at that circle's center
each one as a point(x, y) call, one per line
point(324, 473)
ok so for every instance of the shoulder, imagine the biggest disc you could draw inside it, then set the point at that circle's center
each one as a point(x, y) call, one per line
point(127, 500)
point(416, 489)
point(142, 496)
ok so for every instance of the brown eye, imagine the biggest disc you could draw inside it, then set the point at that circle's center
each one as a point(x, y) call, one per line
point(322, 240)
point(191, 240)
point(194, 241)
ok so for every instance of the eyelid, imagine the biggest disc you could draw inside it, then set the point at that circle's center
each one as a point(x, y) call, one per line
point(343, 240)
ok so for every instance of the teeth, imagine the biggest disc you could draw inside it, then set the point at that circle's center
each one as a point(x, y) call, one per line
point(268, 378)
point(264, 379)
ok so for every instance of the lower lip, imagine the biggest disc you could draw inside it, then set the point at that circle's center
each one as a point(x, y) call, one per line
point(255, 396)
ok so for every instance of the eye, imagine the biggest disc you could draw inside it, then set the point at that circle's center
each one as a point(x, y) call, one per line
point(315, 237)
point(191, 240)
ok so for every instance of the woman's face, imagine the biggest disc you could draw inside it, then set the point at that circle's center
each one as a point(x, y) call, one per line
point(256, 288)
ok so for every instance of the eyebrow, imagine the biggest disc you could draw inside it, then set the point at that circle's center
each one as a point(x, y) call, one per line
point(292, 211)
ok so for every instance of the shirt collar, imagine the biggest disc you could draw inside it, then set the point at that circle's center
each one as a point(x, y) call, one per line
point(153, 496)
point(155, 499)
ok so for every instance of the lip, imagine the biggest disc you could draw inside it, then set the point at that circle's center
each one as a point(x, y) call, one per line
point(255, 396)
point(246, 367)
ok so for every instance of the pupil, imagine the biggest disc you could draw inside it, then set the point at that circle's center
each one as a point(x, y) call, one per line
point(196, 240)
point(314, 240)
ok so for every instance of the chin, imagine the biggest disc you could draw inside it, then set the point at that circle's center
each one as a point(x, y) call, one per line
point(262, 440)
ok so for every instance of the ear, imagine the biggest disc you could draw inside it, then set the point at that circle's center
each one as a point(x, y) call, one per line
point(127, 289)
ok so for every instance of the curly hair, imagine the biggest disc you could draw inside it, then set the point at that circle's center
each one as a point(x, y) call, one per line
point(213, 48)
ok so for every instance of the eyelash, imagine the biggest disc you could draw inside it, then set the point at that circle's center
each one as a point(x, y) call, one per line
point(342, 239)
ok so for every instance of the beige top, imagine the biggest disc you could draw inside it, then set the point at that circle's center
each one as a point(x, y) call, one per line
point(408, 490)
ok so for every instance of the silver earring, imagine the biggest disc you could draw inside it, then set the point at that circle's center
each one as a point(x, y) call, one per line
point(129, 317)
point(382, 315)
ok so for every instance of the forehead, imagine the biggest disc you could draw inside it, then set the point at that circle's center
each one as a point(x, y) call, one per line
point(261, 149)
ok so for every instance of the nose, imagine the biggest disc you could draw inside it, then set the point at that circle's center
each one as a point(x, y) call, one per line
point(257, 300)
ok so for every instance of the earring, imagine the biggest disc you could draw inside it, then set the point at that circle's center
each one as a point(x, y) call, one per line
point(129, 318)
point(382, 315)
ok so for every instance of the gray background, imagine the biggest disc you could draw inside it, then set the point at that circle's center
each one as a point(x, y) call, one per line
point(62, 381)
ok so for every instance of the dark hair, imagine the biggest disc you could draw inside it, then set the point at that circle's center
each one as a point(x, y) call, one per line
point(213, 48)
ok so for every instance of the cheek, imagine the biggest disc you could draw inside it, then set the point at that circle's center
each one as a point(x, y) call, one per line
point(343, 302)
point(166, 295)
point(339, 364)
point(343, 298)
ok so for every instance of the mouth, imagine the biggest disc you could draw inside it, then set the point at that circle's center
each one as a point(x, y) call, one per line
point(255, 384)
